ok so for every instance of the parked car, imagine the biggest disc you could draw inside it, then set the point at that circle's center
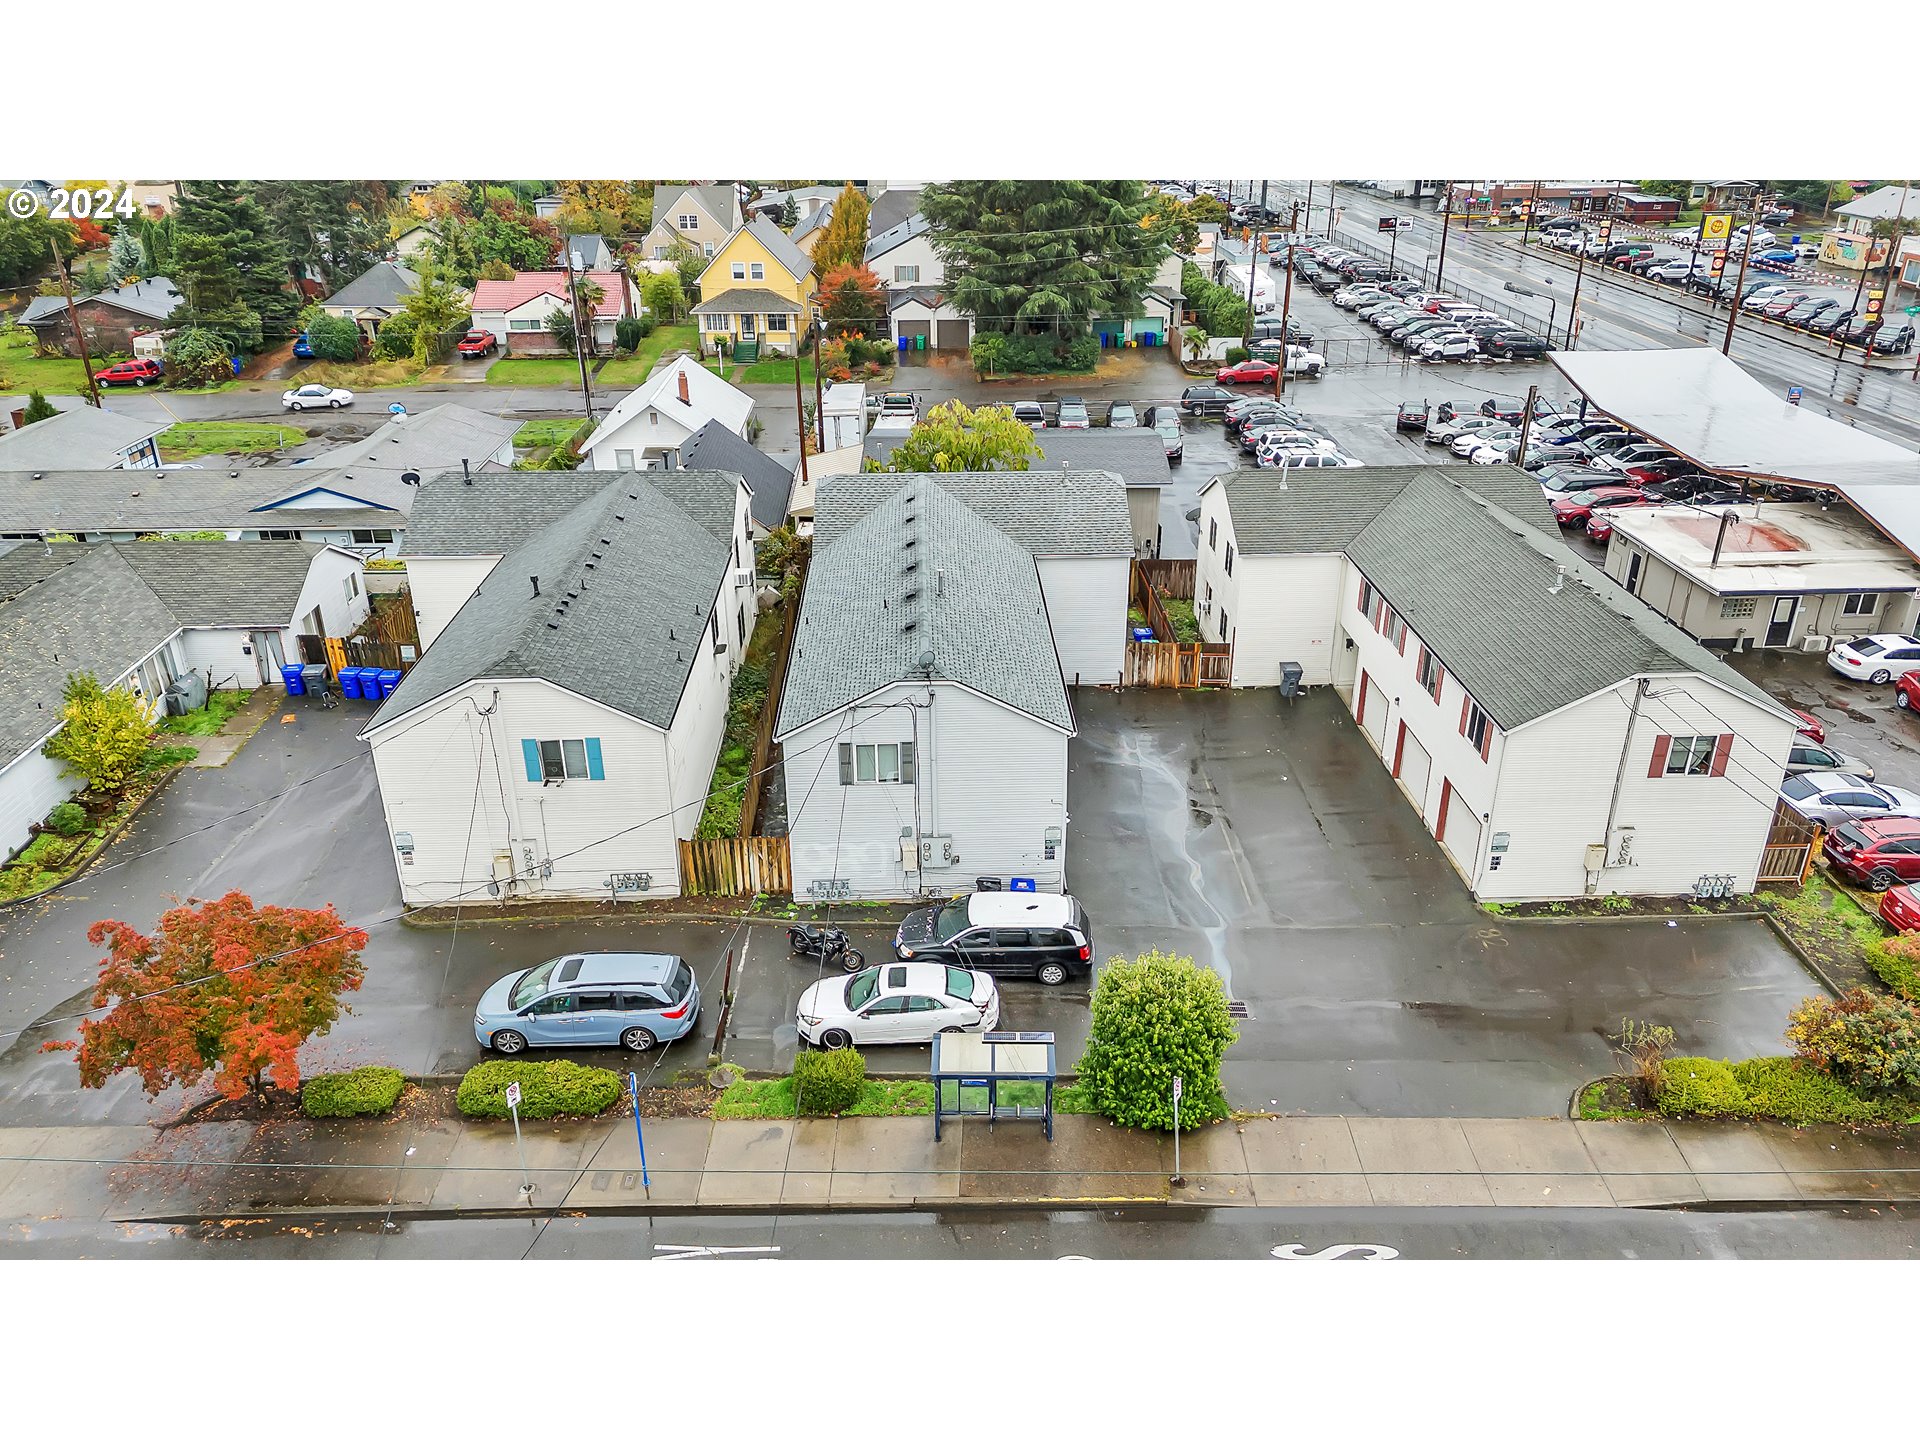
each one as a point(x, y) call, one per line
point(316, 397)
point(900, 404)
point(1759, 296)
point(1781, 306)
point(1248, 372)
point(1877, 854)
point(1448, 431)
point(1809, 310)
point(1808, 755)
point(1310, 460)
point(1694, 490)
point(1499, 433)
point(1900, 908)
point(1516, 346)
point(1832, 321)
point(1893, 339)
point(1906, 694)
point(1653, 472)
point(1122, 416)
point(1599, 524)
point(1030, 413)
point(1007, 933)
point(1811, 727)
point(1677, 272)
point(1774, 255)
point(1640, 452)
point(129, 372)
point(1558, 478)
point(631, 1000)
point(302, 347)
point(1269, 327)
point(907, 1003)
point(1575, 506)
point(1834, 797)
point(1205, 399)
point(1457, 346)
point(1073, 414)
point(1875, 658)
point(476, 343)
point(1164, 421)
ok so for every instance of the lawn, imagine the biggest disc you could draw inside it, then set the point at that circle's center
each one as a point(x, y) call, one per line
point(221, 705)
point(535, 370)
point(773, 1099)
point(775, 370)
point(21, 370)
point(225, 437)
point(548, 433)
point(632, 369)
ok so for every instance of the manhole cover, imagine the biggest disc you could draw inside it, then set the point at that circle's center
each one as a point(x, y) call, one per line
point(1238, 1010)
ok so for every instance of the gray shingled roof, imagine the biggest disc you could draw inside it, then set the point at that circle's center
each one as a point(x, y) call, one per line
point(503, 509)
point(627, 586)
point(84, 501)
point(1138, 457)
point(714, 447)
point(592, 249)
point(780, 247)
point(153, 298)
point(212, 582)
point(83, 439)
point(983, 620)
point(747, 301)
point(383, 286)
point(1048, 512)
point(430, 440)
point(1305, 512)
point(894, 238)
point(891, 208)
point(810, 223)
point(722, 202)
point(94, 614)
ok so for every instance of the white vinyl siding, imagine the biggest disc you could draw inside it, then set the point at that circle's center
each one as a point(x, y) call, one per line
point(440, 586)
point(219, 656)
point(1087, 607)
point(693, 743)
point(30, 787)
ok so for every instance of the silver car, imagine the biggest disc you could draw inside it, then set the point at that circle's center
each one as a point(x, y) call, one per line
point(1834, 797)
point(1165, 422)
point(1807, 756)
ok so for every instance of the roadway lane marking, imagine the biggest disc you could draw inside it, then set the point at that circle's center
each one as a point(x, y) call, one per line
point(1334, 1252)
point(712, 1252)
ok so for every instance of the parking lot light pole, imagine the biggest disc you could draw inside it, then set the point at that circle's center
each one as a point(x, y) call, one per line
point(1286, 310)
point(1446, 224)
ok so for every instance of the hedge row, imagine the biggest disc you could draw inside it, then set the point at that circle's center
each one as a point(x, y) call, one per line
point(997, 354)
point(547, 1088)
point(1219, 310)
point(370, 1090)
point(1774, 1087)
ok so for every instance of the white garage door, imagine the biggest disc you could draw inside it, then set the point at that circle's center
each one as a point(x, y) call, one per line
point(1416, 766)
point(1463, 835)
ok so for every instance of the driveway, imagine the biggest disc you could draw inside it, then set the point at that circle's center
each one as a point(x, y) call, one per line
point(1267, 841)
point(1861, 720)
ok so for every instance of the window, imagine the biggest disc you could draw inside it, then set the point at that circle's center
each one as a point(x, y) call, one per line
point(1012, 939)
point(1432, 676)
point(1477, 726)
point(596, 1002)
point(887, 764)
point(659, 252)
point(892, 1005)
point(777, 323)
point(1229, 557)
point(713, 624)
point(688, 222)
point(757, 271)
point(707, 249)
point(1861, 604)
point(351, 585)
point(719, 322)
point(1209, 592)
point(1213, 534)
point(623, 459)
point(554, 1005)
point(739, 270)
point(641, 1000)
point(1223, 624)
point(562, 760)
point(906, 274)
point(524, 325)
point(279, 534)
point(743, 624)
point(373, 537)
point(1393, 627)
point(1736, 609)
point(1366, 598)
point(921, 1003)
point(1690, 755)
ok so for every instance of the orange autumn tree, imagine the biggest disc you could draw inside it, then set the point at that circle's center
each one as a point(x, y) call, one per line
point(224, 988)
point(851, 298)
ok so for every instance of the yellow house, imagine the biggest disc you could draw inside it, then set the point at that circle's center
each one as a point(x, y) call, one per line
point(758, 289)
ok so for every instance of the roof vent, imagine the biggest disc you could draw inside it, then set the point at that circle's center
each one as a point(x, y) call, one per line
point(909, 597)
point(466, 472)
point(1559, 580)
point(909, 627)
point(536, 583)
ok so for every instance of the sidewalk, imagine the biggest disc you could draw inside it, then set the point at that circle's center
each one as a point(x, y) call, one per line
point(233, 1169)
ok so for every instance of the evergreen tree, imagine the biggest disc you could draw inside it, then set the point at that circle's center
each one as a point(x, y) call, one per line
point(1044, 256)
point(149, 243)
point(789, 214)
point(844, 240)
point(332, 229)
point(210, 294)
point(227, 242)
point(125, 257)
point(38, 408)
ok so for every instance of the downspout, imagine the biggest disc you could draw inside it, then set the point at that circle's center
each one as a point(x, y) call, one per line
point(1619, 780)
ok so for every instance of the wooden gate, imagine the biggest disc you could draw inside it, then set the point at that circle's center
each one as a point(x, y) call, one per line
point(1793, 844)
point(1168, 665)
point(736, 865)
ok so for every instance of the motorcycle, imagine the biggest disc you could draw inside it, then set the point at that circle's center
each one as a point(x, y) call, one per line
point(825, 943)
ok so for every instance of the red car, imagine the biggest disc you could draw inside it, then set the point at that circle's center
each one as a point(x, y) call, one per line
point(1248, 372)
point(1600, 521)
point(129, 372)
point(1900, 908)
point(1575, 506)
point(477, 342)
point(1878, 854)
point(1906, 692)
point(1817, 732)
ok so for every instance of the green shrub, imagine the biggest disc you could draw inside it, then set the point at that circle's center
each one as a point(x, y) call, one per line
point(1156, 1017)
point(627, 333)
point(370, 1090)
point(1866, 1041)
point(1237, 353)
point(547, 1088)
point(996, 354)
point(395, 340)
point(67, 819)
point(825, 1082)
point(334, 338)
point(1700, 1087)
point(1780, 1087)
point(1896, 960)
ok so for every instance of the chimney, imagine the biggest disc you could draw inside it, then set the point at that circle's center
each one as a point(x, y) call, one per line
point(684, 398)
point(466, 471)
point(536, 583)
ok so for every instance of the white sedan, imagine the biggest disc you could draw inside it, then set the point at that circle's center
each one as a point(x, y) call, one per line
point(902, 1004)
point(316, 397)
point(1875, 658)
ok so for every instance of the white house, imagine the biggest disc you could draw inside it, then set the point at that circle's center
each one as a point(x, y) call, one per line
point(558, 736)
point(921, 313)
point(924, 720)
point(374, 296)
point(1075, 524)
point(1557, 737)
point(904, 256)
point(516, 310)
point(140, 616)
point(84, 438)
point(663, 414)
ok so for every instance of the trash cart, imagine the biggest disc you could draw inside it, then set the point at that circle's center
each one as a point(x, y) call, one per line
point(293, 677)
point(350, 681)
point(1290, 673)
point(389, 681)
point(313, 684)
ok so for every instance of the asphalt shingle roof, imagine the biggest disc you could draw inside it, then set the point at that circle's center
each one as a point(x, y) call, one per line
point(504, 509)
point(431, 440)
point(1317, 511)
point(747, 301)
point(891, 208)
point(780, 247)
point(714, 447)
point(213, 582)
point(82, 439)
point(627, 586)
point(154, 298)
point(1138, 457)
point(383, 286)
point(875, 604)
point(722, 202)
point(894, 238)
point(1047, 512)
point(84, 501)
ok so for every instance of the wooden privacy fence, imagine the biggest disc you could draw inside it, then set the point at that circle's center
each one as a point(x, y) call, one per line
point(736, 865)
point(1793, 844)
point(1172, 578)
point(1141, 596)
point(337, 654)
point(1166, 665)
point(763, 732)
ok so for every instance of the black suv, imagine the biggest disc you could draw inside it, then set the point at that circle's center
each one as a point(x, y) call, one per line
point(1516, 346)
point(1206, 399)
point(1003, 932)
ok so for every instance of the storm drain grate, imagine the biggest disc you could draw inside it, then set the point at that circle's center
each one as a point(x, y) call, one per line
point(1238, 1010)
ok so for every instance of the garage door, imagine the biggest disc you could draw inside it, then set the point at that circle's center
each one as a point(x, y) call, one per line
point(1460, 832)
point(911, 330)
point(953, 335)
point(1415, 767)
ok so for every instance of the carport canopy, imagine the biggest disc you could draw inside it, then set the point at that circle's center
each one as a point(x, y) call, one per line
point(1704, 407)
point(1003, 1075)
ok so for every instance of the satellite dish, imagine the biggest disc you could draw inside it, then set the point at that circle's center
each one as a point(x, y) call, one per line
point(925, 662)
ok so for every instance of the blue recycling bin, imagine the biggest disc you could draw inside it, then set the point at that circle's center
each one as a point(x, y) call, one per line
point(291, 678)
point(389, 682)
point(1142, 632)
point(350, 681)
point(903, 344)
point(1022, 885)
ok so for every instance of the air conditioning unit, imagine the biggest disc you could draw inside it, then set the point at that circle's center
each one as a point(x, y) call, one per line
point(936, 852)
point(1815, 644)
point(1202, 607)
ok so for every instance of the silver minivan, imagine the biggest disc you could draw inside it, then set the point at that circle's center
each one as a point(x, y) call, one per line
point(631, 1000)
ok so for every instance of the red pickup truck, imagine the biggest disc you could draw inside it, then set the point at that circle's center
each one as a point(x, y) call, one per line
point(478, 342)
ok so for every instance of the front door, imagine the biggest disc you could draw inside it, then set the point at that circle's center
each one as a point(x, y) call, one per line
point(746, 327)
point(1780, 628)
point(267, 651)
point(1633, 574)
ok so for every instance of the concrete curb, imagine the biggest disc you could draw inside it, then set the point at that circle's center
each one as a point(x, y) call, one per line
point(105, 845)
point(416, 920)
point(1622, 916)
point(1812, 966)
point(519, 1212)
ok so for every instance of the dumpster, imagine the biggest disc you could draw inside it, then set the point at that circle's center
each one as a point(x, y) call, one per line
point(350, 681)
point(1290, 673)
point(291, 677)
point(389, 682)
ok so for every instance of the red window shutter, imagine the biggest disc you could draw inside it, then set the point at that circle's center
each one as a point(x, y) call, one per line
point(1466, 709)
point(1403, 637)
point(1720, 749)
point(1360, 710)
point(1658, 767)
point(1486, 739)
point(1446, 798)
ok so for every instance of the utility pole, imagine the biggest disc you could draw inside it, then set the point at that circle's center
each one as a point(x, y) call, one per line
point(1893, 252)
point(1446, 224)
point(1573, 310)
point(1532, 206)
point(1733, 300)
point(800, 414)
point(73, 319)
point(576, 274)
point(1526, 423)
point(1253, 270)
point(1309, 209)
point(1332, 186)
point(1286, 311)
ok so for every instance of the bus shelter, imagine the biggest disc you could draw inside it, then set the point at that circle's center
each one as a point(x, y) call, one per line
point(1002, 1075)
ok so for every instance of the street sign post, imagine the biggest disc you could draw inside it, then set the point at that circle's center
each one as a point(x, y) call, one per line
point(513, 1105)
point(633, 1089)
point(1178, 1178)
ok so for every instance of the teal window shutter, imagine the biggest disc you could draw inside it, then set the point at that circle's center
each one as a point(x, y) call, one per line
point(594, 769)
point(530, 749)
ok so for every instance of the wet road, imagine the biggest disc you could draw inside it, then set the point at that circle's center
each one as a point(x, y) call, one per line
point(1839, 1233)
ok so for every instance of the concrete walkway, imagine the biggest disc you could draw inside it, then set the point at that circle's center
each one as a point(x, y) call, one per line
point(229, 1169)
